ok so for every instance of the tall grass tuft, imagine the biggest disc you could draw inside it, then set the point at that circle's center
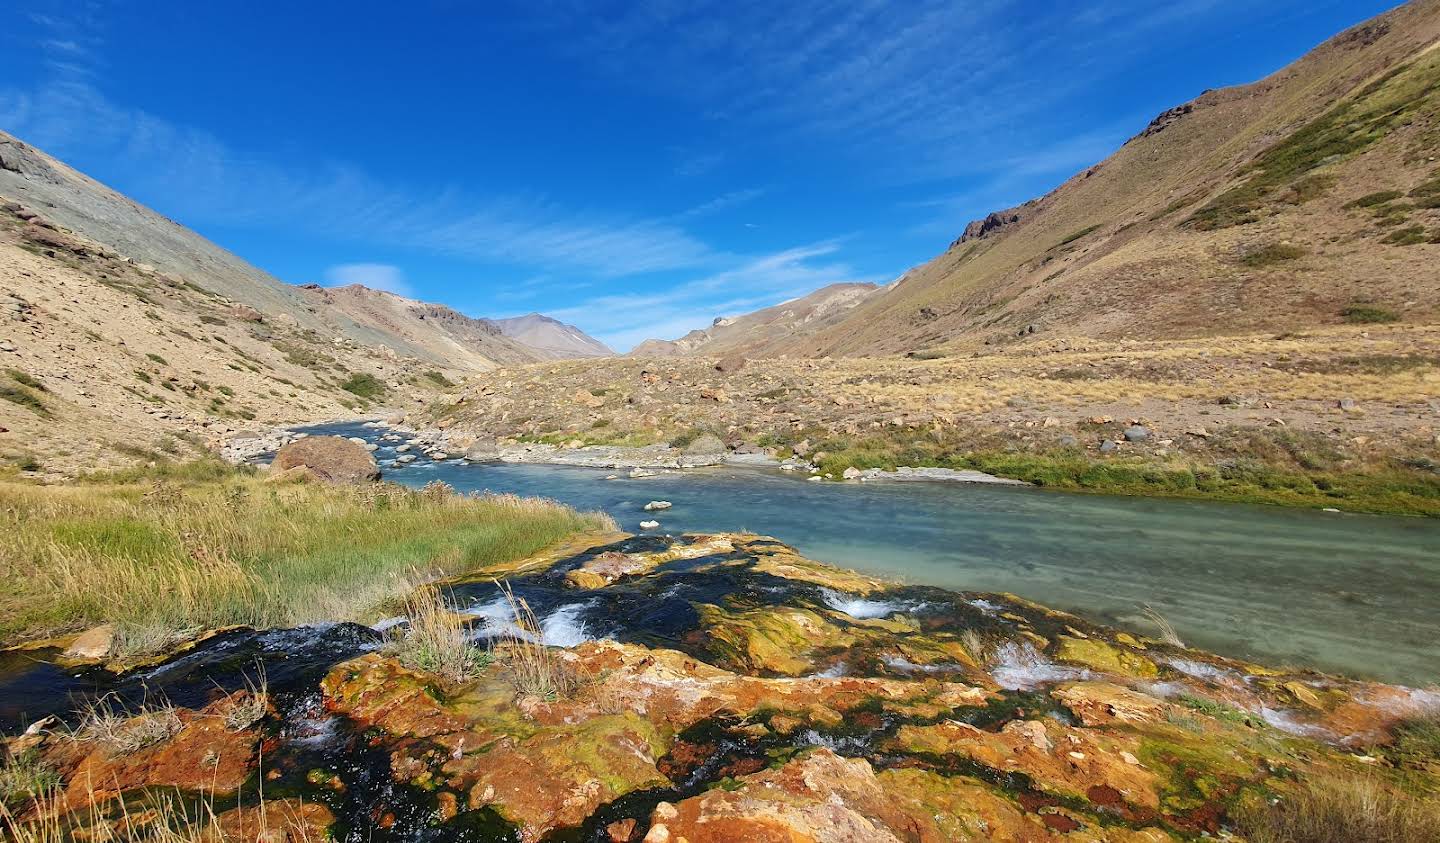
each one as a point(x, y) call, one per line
point(1163, 625)
point(185, 548)
point(436, 638)
point(535, 669)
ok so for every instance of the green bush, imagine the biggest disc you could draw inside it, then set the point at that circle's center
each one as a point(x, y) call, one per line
point(364, 384)
point(157, 358)
point(1364, 314)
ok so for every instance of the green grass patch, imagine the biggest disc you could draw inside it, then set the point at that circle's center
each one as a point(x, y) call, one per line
point(1349, 128)
point(1272, 254)
point(1370, 200)
point(180, 547)
point(1071, 238)
point(24, 397)
point(1409, 236)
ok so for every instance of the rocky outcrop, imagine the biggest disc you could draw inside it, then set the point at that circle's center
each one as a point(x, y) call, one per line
point(328, 458)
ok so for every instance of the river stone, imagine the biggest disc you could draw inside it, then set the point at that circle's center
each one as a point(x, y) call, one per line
point(1108, 446)
point(329, 458)
point(1136, 433)
point(657, 505)
point(707, 443)
point(92, 644)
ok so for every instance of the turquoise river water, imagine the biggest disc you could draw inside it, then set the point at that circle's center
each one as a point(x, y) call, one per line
point(1356, 594)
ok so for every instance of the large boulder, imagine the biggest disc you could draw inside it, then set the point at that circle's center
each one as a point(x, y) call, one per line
point(706, 443)
point(329, 458)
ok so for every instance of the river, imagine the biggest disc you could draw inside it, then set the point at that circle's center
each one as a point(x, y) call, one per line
point(1355, 594)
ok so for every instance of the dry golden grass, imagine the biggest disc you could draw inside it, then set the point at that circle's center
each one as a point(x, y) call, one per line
point(165, 558)
point(536, 669)
point(1344, 809)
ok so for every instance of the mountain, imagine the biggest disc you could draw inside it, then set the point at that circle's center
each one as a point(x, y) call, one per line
point(1308, 198)
point(418, 329)
point(79, 204)
point(757, 334)
point(126, 336)
point(551, 338)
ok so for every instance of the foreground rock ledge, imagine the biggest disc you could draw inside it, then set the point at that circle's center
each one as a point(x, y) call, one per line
point(742, 692)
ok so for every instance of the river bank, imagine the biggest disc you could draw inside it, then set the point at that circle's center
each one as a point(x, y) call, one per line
point(721, 688)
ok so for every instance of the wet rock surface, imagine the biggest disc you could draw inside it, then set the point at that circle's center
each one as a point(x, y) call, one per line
point(725, 688)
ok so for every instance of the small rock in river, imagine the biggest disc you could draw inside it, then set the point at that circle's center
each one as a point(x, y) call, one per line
point(649, 525)
point(656, 505)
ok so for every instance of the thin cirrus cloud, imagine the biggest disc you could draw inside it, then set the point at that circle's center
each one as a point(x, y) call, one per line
point(624, 320)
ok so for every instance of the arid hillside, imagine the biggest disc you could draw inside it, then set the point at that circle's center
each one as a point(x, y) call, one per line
point(1307, 199)
point(757, 333)
point(105, 361)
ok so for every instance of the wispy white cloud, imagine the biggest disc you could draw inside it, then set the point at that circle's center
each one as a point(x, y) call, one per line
point(197, 177)
point(623, 320)
point(376, 276)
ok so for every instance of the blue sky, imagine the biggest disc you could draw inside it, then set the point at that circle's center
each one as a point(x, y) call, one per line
point(634, 168)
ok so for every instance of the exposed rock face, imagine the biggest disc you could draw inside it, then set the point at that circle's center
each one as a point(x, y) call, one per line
point(329, 458)
point(995, 222)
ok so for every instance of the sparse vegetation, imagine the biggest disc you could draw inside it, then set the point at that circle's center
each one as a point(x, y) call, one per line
point(1343, 808)
point(156, 358)
point(1271, 254)
point(24, 777)
point(107, 722)
point(1350, 127)
point(26, 379)
point(1408, 236)
point(1370, 200)
point(222, 547)
point(21, 390)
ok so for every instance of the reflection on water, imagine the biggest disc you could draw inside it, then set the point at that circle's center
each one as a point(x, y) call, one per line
point(1350, 593)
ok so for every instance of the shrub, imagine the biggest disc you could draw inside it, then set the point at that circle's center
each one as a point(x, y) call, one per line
point(1271, 254)
point(1364, 314)
point(157, 358)
point(211, 320)
point(364, 384)
point(439, 379)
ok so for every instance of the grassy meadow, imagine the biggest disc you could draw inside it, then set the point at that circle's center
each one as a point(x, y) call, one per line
point(165, 552)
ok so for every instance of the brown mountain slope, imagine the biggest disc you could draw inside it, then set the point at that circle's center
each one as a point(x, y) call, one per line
point(417, 329)
point(552, 338)
point(1251, 208)
point(757, 333)
point(88, 208)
